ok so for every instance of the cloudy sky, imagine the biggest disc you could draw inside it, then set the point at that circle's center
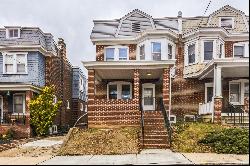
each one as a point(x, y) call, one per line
point(72, 19)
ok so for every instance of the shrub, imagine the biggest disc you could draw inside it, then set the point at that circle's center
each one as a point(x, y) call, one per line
point(232, 140)
point(43, 111)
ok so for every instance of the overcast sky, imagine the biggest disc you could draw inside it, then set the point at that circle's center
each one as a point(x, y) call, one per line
point(73, 19)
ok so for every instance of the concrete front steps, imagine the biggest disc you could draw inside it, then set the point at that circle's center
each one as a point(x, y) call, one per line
point(155, 133)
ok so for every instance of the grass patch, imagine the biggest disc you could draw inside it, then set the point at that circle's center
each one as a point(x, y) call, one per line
point(102, 141)
point(186, 137)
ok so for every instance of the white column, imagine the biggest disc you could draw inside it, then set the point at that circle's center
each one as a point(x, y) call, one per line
point(217, 81)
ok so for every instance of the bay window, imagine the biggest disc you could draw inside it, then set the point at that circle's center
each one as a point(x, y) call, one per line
point(142, 52)
point(156, 51)
point(119, 90)
point(208, 50)
point(15, 63)
point(246, 90)
point(170, 51)
point(191, 54)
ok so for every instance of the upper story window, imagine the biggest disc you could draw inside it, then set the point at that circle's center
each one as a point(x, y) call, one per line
point(221, 50)
point(13, 33)
point(116, 53)
point(191, 54)
point(110, 54)
point(239, 51)
point(227, 22)
point(15, 63)
point(156, 51)
point(119, 90)
point(142, 52)
point(170, 51)
point(208, 50)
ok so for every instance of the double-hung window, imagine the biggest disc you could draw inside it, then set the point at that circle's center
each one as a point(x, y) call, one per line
point(235, 92)
point(110, 54)
point(221, 50)
point(15, 63)
point(170, 51)
point(239, 51)
point(119, 90)
point(227, 22)
point(191, 54)
point(123, 53)
point(18, 103)
point(12, 33)
point(116, 53)
point(208, 50)
point(142, 52)
point(156, 51)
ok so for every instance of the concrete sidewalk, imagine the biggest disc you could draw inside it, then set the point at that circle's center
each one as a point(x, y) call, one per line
point(147, 157)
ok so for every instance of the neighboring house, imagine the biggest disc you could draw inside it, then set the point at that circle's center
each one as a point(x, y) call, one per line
point(29, 60)
point(78, 93)
point(141, 60)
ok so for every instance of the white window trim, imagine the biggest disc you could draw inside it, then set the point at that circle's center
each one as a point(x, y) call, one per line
point(139, 55)
point(68, 105)
point(221, 42)
point(246, 48)
point(172, 116)
point(15, 63)
point(242, 84)
point(203, 49)
point(81, 106)
point(173, 50)
point(1, 108)
point(210, 84)
point(152, 49)
point(196, 42)
point(227, 18)
point(116, 53)
point(119, 88)
point(24, 103)
point(8, 34)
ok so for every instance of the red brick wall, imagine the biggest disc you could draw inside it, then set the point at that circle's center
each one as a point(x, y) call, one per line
point(59, 74)
point(186, 93)
point(229, 48)
point(100, 51)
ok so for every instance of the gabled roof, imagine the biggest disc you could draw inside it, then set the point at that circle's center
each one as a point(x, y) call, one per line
point(223, 8)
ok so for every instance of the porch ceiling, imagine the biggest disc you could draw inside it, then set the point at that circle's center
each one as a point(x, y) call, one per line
point(228, 72)
point(128, 73)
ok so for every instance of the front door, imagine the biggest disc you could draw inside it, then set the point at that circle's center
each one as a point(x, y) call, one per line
point(1, 109)
point(148, 96)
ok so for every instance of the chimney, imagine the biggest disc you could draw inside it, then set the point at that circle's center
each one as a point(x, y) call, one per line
point(61, 48)
point(180, 22)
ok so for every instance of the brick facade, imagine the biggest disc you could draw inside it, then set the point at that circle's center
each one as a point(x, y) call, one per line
point(59, 74)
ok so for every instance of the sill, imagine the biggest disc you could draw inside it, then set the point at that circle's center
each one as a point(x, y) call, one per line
point(15, 73)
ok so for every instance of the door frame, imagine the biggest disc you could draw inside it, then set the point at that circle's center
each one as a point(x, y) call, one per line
point(1, 108)
point(208, 85)
point(148, 85)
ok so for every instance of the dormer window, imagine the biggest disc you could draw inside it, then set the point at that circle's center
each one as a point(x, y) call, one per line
point(227, 22)
point(136, 27)
point(13, 33)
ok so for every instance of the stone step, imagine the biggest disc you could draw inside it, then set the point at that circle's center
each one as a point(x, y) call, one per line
point(155, 146)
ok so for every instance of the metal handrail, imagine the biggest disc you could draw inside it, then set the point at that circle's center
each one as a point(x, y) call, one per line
point(82, 116)
point(142, 122)
point(11, 118)
point(166, 121)
point(233, 109)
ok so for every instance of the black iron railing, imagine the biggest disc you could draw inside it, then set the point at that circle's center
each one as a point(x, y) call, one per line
point(12, 118)
point(236, 113)
point(166, 121)
point(142, 122)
